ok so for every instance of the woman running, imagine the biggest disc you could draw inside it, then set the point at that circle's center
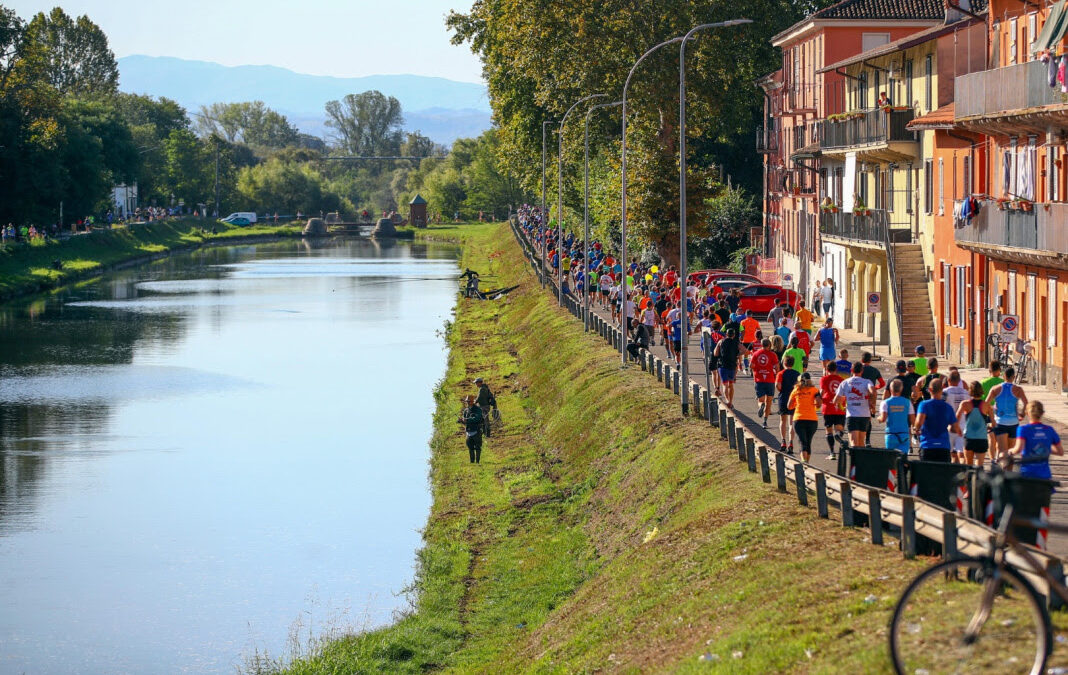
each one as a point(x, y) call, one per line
point(1035, 442)
point(804, 401)
point(974, 415)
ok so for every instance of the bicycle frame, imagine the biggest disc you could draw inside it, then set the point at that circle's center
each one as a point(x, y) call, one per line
point(1006, 539)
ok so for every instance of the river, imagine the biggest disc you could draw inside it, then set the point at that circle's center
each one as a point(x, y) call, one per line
point(211, 455)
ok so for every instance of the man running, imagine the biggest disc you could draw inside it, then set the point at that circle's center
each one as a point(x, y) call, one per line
point(1005, 399)
point(872, 374)
point(920, 360)
point(827, 338)
point(934, 422)
point(728, 350)
point(833, 414)
point(798, 354)
point(855, 394)
point(764, 363)
point(785, 382)
point(899, 416)
point(955, 395)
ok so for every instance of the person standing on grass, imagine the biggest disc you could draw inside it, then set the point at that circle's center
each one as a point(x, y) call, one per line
point(784, 383)
point(975, 413)
point(764, 363)
point(1006, 398)
point(473, 421)
point(897, 413)
point(833, 414)
point(935, 419)
point(485, 400)
point(728, 350)
point(805, 401)
point(856, 394)
point(1035, 442)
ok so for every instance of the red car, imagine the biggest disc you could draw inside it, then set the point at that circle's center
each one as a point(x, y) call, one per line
point(762, 298)
point(728, 284)
point(699, 276)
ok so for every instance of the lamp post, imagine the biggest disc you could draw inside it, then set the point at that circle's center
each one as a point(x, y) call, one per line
point(586, 213)
point(544, 219)
point(560, 196)
point(685, 328)
point(623, 211)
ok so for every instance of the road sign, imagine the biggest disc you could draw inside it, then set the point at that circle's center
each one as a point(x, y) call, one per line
point(1010, 326)
point(875, 303)
point(788, 281)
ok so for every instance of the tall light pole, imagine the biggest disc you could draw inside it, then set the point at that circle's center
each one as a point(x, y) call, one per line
point(586, 213)
point(623, 212)
point(685, 329)
point(560, 196)
point(544, 218)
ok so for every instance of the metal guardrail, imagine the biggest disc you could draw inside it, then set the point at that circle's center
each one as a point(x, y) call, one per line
point(1043, 229)
point(1002, 90)
point(870, 127)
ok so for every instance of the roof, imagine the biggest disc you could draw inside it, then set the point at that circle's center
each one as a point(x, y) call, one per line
point(901, 43)
point(878, 10)
point(936, 119)
point(418, 199)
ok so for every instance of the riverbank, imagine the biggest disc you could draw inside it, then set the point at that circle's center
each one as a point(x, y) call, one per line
point(27, 269)
point(603, 530)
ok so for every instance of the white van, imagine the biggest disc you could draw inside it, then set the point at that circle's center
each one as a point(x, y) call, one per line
point(240, 218)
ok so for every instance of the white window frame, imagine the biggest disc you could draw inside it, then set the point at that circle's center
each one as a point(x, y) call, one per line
point(1051, 299)
point(1014, 29)
point(941, 187)
point(1032, 35)
point(1032, 306)
point(962, 297)
point(1012, 292)
point(947, 294)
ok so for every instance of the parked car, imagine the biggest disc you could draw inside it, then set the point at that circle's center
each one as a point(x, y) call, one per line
point(240, 218)
point(727, 284)
point(717, 275)
point(762, 298)
point(700, 275)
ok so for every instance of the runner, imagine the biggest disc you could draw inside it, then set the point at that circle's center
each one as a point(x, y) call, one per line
point(855, 394)
point(872, 374)
point(908, 380)
point(899, 416)
point(935, 419)
point(804, 401)
point(920, 360)
point(931, 376)
point(827, 337)
point(714, 337)
point(750, 332)
point(784, 383)
point(1035, 442)
point(1005, 398)
point(845, 366)
point(804, 317)
point(955, 395)
point(728, 350)
point(798, 354)
point(833, 415)
point(994, 380)
point(764, 363)
point(975, 414)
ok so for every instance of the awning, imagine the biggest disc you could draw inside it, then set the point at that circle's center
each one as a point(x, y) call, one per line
point(1053, 30)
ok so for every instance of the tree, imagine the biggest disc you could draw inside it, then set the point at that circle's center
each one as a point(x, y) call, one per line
point(73, 55)
point(417, 145)
point(251, 123)
point(151, 123)
point(367, 124)
point(731, 213)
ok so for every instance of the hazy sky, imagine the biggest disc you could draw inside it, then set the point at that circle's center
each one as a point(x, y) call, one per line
point(346, 38)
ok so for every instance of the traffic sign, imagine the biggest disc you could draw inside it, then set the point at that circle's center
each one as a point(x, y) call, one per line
point(875, 303)
point(1010, 326)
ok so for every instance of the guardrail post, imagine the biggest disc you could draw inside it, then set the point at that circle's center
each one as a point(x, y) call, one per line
point(732, 440)
point(652, 360)
point(723, 423)
point(821, 495)
point(750, 454)
point(696, 389)
point(908, 526)
point(643, 362)
point(799, 479)
point(875, 516)
point(739, 429)
point(667, 376)
point(780, 471)
point(675, 382)
point(949, 535)
point(706, 406)
point(713, 416)
point(765, 469)
point(847, 504)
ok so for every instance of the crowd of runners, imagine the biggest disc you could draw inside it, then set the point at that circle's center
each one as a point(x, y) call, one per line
point(938, 414)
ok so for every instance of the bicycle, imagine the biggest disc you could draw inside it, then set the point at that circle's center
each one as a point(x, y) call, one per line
point(999, 350)
point(1025, 363)
point(977, 614)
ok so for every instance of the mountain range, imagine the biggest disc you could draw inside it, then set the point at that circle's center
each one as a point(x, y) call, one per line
point(439, 108)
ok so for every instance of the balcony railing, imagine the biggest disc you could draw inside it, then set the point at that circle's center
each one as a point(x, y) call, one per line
point(801, 96)
point(874, 228)
point(868, 128)
point(1041, 229)
point(767, 140)
point(1003, 90)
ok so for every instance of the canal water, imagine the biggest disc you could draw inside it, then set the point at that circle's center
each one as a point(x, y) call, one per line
point(215, 454)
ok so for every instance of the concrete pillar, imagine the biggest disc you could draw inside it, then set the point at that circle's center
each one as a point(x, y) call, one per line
point(860, 277)
point(875, 275)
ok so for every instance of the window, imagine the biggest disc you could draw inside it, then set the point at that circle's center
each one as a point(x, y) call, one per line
point(1013, 31)
point(1032, 302)
point(928, 82)
point(1012, 292)
point(876, 84)
point(1051, 322)
point(862, 91)
point(890, 190)
point(962, 297)
point(880, 194)
point(928, 186)
point(947, 295)
point(941, 187)
point(1032, 33)
point(967, 176)
point(908, 189)
point(908, 84)
point(873, 40)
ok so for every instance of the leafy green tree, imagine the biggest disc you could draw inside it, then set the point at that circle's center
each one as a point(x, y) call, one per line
point(151, 123)
point(74, 56)
point(731, 213)
point(367, 124)
point(251, 123)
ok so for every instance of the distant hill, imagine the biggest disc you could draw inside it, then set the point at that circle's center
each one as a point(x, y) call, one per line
point(442, 109)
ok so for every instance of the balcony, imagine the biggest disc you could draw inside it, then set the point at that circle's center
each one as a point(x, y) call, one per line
point(767, 141)
point(874, 229)
point(880, 133)
point(1023, 236)
point(801, 97)
point(1018, 94)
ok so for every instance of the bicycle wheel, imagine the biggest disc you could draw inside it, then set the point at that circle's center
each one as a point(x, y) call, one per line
point(930, 630)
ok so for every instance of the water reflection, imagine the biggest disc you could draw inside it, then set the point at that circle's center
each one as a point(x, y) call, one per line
point(192, 449)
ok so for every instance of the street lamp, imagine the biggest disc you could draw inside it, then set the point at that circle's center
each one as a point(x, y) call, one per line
point(544, 219)
point(684, 331)
point(623, 212)
point(586, 214)
point(560, 196)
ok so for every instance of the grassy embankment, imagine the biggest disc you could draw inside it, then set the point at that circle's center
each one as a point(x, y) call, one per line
point(28, 268)
point(542, 557)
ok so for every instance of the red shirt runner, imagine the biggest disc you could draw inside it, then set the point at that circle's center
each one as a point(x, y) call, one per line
point(764, 363)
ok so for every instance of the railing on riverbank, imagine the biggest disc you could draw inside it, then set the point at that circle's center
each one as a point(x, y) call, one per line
point(914, 517)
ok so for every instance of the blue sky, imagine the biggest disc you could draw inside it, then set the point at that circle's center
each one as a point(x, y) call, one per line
point(345, 38)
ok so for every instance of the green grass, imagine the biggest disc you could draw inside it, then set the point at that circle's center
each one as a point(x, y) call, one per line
point(537, 560)
point(28, 268)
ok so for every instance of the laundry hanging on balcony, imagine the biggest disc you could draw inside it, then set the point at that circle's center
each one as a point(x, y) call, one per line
point(1053, 30)
point(964, 210)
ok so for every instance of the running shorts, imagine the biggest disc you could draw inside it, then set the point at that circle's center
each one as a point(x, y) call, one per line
point(765, 389)
point(1009, 429)
point(897, 440)
point(976, 445)
point(858, 424)
point(834, 421)
point(727, 374)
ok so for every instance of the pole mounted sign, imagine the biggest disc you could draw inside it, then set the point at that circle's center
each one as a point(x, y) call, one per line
point(1010, 326)
point(875, 303)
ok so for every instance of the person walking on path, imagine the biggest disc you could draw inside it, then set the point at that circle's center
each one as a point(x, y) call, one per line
point(827, 337)
point(728, 350)
point(856, 394)
point(804, 401)
point(474, 422)
point(899, 416)
point(833, 414)
point(935, 419)
point(975, 413)
point(827, 296)
point(784, 383)
point(1006, 398)
point(485, 400)
point(1035, 442)
point(764, 363)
